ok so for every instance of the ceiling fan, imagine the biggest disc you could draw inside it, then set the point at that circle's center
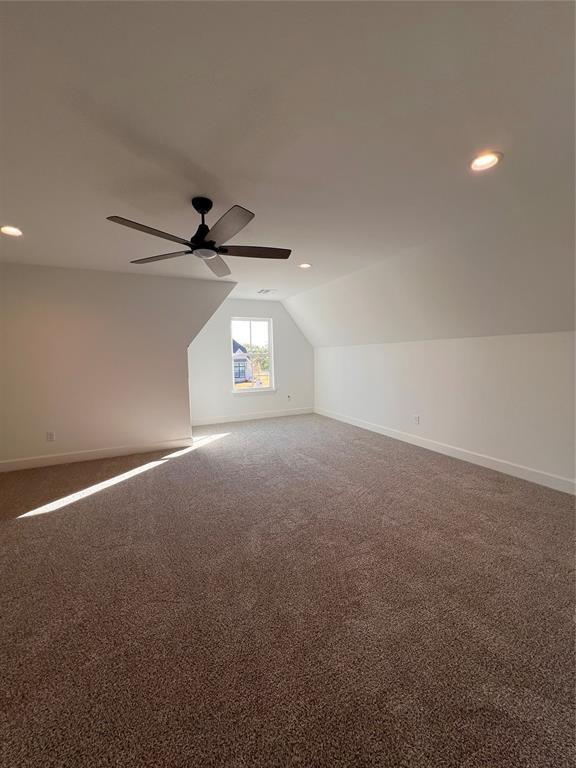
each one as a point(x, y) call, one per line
point(208, 242)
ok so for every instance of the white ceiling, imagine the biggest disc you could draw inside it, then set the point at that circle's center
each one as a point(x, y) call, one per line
point(346, 127)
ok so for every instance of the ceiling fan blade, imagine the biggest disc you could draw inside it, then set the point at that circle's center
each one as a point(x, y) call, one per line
point(159, 258)
point(147, 230)
point(229, 224)
point(218, 266)
point(255, 252)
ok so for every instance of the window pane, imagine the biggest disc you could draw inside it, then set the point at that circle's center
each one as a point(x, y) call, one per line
point(241, 331)
point(259, 333)
point(261, 370)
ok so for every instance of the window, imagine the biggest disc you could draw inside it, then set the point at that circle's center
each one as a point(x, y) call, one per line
point(252, 363)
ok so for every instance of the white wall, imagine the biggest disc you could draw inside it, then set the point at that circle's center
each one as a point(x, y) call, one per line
point(506, 402)
point(475, 339)
point(100, 358)
point(211, 397)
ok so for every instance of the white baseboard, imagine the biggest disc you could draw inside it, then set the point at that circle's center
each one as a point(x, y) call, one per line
point(500, 465)
point(96, 453)
point(250, 416)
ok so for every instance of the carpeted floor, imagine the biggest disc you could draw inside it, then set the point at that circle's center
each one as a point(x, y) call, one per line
point(297, 592)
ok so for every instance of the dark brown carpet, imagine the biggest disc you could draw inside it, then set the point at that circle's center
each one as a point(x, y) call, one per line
point(297, 593)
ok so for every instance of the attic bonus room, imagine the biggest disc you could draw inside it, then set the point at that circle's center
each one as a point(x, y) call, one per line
point(287, 384)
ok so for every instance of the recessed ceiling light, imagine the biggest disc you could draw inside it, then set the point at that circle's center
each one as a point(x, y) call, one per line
point(486, 160)
point(12, 231)
point(304, 266)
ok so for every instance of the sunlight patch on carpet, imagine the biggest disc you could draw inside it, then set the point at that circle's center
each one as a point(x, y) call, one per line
point(65, 501)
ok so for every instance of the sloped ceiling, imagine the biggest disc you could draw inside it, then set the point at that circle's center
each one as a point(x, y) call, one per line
point(453, 290)
point(346, 127)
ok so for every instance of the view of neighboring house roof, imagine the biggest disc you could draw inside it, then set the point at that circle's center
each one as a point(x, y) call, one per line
point(237, 347)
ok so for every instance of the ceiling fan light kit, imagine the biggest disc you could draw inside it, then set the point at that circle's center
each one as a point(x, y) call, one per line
point(207, 243)
point(204, 253)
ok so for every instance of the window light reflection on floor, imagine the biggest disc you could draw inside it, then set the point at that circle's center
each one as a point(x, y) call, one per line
point(197, 442)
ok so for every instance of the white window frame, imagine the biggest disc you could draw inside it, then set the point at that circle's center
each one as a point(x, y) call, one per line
point(255, 390)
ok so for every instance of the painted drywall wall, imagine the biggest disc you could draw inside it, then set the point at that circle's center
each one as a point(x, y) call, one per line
point(476, 339)
point(99, 358)
point(211, 397)
point(506, 402)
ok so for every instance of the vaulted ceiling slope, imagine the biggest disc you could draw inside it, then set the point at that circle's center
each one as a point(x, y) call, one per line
point(454, 290)
point(346, 127)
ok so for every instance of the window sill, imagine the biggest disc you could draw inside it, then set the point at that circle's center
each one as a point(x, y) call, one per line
point(268, 390)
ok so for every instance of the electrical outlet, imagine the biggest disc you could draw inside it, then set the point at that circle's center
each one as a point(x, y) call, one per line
point(416, 419)
point(50, 437)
